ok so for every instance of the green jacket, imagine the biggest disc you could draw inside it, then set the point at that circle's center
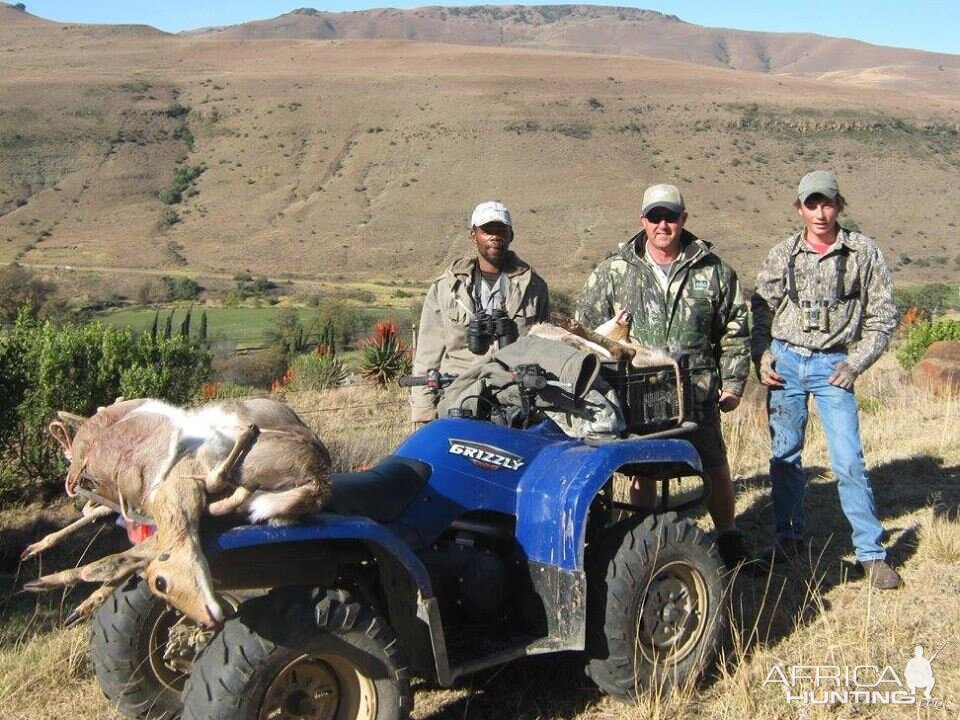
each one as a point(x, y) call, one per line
point(702, 312)
point(447, 310)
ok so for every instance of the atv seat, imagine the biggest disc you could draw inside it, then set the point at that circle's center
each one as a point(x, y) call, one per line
point(380, 493)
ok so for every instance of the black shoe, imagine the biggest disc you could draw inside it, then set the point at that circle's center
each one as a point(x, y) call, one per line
point(881, 575)
point(735, 555)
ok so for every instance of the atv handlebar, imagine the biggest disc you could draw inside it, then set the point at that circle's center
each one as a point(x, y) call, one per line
point(434, 379)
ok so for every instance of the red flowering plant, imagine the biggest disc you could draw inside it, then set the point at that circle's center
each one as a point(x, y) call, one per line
point(384, 356)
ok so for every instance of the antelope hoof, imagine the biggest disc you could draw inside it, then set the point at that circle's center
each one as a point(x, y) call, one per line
point(73, 618)
point(31, 551)
point(36, 586)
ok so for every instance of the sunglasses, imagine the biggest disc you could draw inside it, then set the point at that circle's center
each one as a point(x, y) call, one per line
point(657, 217)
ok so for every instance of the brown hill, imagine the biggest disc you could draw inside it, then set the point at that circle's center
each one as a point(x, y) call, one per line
point(613, 30)
point(361, 159)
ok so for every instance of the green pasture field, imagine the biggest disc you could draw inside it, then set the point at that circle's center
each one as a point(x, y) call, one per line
point(243, 326)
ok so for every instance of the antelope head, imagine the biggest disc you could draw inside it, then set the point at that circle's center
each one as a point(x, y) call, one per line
point(180, 575)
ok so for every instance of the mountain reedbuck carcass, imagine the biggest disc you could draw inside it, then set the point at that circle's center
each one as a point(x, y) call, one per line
point(147, 458)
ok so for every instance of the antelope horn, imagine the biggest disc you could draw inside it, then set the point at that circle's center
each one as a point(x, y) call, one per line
point(71, 419)
point(60, 433)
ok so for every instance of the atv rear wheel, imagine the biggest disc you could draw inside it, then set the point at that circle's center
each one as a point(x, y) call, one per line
point(141, 654)
point(657, 618)
point(326, 659)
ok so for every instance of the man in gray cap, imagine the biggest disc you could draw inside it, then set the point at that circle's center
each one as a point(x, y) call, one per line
point(492, 282)
point(823, 312)
point(683, 298)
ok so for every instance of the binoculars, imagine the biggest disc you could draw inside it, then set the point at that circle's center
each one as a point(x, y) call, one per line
point(815, 316)
point(488, 326)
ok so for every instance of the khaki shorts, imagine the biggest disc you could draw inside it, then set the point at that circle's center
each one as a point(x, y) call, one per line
point(708, 441)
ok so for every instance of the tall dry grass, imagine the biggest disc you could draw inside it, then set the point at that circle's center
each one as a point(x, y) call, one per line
point(817, 613)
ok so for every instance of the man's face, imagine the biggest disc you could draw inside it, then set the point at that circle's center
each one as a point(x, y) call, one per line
point(492, 240)
point(819, 214)
point(663, 228)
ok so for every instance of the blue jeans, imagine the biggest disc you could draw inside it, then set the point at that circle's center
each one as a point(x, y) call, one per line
point(787, 411)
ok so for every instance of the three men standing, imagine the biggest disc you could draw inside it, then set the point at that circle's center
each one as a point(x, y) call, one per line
point(823, 312)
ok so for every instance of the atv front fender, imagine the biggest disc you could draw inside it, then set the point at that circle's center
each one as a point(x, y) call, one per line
point(557, 489)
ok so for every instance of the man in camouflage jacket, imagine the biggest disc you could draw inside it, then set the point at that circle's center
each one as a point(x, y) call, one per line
point(823, 312)
point(492, 277)
point(683, 298)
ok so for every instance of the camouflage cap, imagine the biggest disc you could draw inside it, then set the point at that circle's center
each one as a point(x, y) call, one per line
point(665, 196)
point(818, 182)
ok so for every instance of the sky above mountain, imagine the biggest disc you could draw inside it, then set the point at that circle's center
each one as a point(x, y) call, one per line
point(933, 25)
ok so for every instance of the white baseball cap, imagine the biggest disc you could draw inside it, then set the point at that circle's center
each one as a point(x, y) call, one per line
point(488, 212)
point(663, 195)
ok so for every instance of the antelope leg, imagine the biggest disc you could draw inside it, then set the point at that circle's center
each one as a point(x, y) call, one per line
point(48, 541)
point(217, 478)
point(112, 567)
point(97, 598)
point(230, 504)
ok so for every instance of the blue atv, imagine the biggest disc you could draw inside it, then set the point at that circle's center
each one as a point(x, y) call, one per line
point(474, 544)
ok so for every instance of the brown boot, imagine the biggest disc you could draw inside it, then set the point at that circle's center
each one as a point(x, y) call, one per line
point(881, 575)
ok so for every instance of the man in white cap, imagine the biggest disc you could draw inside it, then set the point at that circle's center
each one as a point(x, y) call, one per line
point(683, 299)
point(455, 328)
point(823, 312)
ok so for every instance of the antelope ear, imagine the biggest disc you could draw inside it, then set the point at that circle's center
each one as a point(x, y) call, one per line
point(71, 420)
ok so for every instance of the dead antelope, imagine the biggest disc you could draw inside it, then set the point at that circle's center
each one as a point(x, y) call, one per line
point(147, 458)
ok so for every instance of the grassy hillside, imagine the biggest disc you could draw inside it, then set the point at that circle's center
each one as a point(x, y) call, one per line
point(824, 615)
point(333, 161)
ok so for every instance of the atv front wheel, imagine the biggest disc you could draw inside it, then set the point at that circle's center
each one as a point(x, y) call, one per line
point(326, 659)
point(656, 606)
point(142, 651)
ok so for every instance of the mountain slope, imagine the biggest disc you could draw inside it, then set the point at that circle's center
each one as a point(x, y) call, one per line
point(612, 30)
point(359, 159)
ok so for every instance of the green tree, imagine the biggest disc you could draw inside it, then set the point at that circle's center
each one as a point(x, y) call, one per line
point(19, 287)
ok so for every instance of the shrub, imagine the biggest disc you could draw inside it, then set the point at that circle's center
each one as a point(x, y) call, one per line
point(257, 369)
point(932, 299)
point(316, 371)
point(384, 356)
point(77, 367)
point(183, 181)
point(921, 336)
point(580, 131)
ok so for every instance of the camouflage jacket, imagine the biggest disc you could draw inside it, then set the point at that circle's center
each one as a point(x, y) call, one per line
point(447, 310)
point(702, 312)
point(860, 313)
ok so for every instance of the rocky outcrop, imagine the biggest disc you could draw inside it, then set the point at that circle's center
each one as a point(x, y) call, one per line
point(940, 368)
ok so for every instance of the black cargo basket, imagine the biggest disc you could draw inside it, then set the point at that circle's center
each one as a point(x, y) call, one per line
point(653, 398)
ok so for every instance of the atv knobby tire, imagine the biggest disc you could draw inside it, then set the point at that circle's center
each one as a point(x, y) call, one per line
point(128, 638)
point(293, 655)
point(657, 617)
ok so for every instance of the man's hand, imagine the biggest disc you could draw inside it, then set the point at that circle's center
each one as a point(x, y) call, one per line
point(768, 376)
point(843, 376)
point(728, 401)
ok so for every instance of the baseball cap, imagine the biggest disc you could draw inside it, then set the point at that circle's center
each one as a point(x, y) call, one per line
point(488, 212)
point(665, 196)
point(818, 182)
